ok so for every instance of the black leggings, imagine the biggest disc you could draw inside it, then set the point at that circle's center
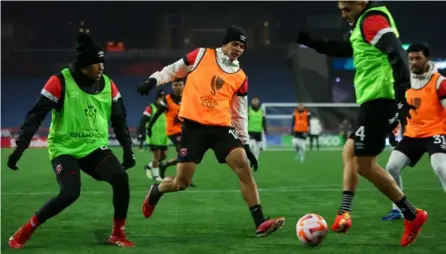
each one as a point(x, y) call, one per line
point(102, 165)
point(314, 138)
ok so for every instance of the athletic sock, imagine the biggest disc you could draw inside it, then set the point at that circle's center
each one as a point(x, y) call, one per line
point(155, 195)
point(118, 227)
point(156, 172)
point(408, 209)
point(32, 224)
point(346, 204)
point(257, 214)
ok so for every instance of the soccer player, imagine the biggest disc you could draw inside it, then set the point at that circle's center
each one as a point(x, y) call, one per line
point(170, 108)
point(156, 136)
point(299, 130)
point(82, 100)
point(256, 125)
point(426, 131)
point(381, 80)
point(214, 111)
point(315, 131)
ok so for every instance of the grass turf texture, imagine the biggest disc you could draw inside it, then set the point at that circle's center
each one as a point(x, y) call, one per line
point(213, 217)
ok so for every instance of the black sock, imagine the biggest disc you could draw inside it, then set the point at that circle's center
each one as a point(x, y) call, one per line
point(155, 195)
point(347, 199)
point(121, 195)
point(257, 214)
point(70, 189)
point(408, 209)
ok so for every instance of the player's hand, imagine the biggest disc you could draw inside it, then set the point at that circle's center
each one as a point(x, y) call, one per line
point(252, 158)
point(392, 140)
point(128, 159)
point(140, 137)
point(404, 112)
point(13, 158)
point(147, 86)
point(304, 38)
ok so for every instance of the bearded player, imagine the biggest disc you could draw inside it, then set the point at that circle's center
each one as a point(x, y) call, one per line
point(381, 80)
point(156, 136)
point(214, 110)
point(426, 131)
point(170, 108)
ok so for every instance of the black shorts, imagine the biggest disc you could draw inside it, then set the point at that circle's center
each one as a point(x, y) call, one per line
point(375, 122)
point(157, 148)
point(257, 136)
point(197, 139)
point(176, 140)
point(101, 164)
point(414, 148)
point(301, 135)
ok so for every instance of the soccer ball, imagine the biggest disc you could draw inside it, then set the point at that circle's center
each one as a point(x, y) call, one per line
point(311, 229)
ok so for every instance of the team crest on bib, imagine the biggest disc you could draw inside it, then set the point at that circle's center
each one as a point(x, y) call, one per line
point(90, 113)
point(216, 84)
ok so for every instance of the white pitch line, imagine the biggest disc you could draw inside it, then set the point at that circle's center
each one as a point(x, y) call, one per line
point(321, 188)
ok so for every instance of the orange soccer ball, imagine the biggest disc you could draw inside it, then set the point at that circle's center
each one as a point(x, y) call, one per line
point(311, 229)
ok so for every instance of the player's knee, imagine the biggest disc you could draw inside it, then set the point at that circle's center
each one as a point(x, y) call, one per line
point(440, 170)
point(182, 183)
point(363, 165)
point(119, 179)
point(69, 195)
point(393, 168)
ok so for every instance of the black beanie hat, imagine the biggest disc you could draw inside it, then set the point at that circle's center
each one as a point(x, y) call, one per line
point(88, 52)
point(235, 33)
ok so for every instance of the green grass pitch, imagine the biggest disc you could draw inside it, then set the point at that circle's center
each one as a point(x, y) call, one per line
point(213, 218)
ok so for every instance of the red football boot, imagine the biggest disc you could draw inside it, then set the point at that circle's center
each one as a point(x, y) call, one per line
point(413, 228)
point(342, 223)
point(270, 226)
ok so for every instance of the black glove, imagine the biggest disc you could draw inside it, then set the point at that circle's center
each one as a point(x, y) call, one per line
point(148, 85)
point(392, 140)
point(141, 137)
point(14, 158)
point(128, 158)
point(304, 38)
point(252, 158)
point(403, 113)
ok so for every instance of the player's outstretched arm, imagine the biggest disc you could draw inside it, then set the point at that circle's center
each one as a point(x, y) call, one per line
point(265, 125)
point(337, 48)
point(50, 98)
point(239, 118)
point(118, 120)
point(174, 71)
point(147, 115)
point(293, 120)
point(239, 112)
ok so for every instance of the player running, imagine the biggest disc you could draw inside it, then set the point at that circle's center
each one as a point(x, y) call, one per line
point(426, 131)
point(299, 130)
point(381, 80)
point(256, 126)
point(156, 136)
point(82, 100)
point(214, 113)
